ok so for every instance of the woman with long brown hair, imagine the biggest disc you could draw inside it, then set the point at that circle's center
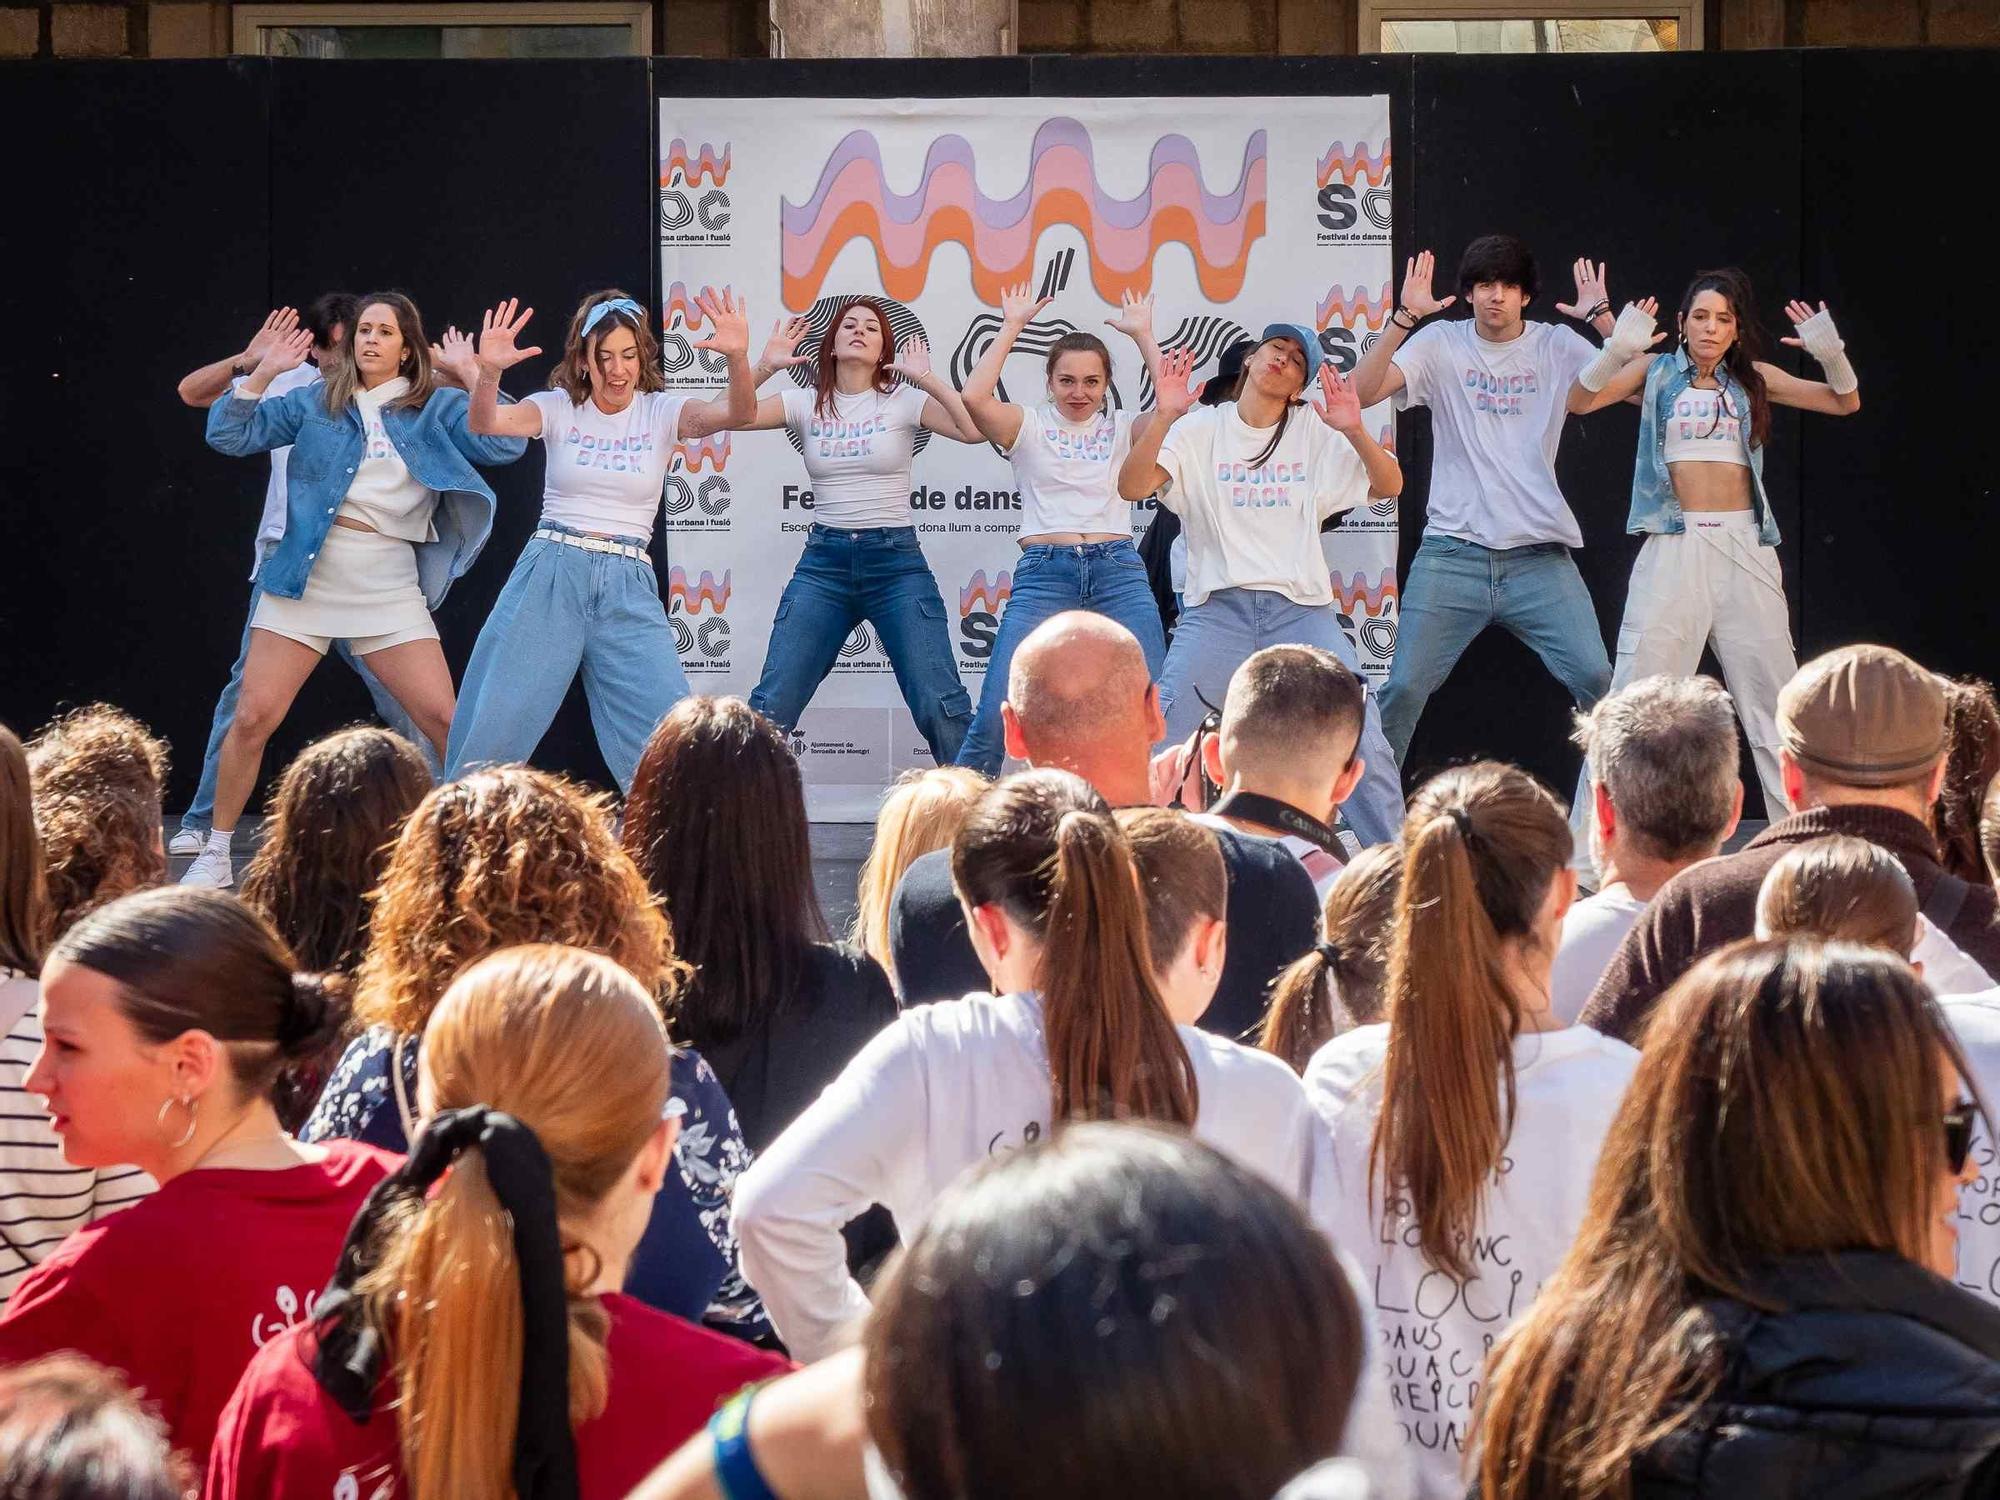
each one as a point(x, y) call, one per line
point(921, 812)
point(476, 1343)
point(1757, 1302)
point(583, 595)
point(384, 510)
point(1342, 983)
point(97, 775)
point(1075, 1028)
point(1972, 762)
point(1464, 1128)
point(515, 855)
point(859, 425)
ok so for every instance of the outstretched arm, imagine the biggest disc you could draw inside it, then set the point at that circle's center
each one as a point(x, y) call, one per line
point(1340, 408)
point(1377, 377)
point(1839, 395)
point(781, 352)
point(1620, 366)
point(201, 387)
point(944, 412)
point(999, 422)
point(1135, 321)
point(498, 351)
point(729, 324)
point(245, 422)
point(1142, 475)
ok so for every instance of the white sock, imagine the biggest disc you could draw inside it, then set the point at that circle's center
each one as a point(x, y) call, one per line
point(218, 840)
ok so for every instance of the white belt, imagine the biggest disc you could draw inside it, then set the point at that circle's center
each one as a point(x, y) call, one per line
point(596, 544)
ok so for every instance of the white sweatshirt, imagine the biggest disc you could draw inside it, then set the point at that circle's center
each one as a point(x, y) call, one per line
point(943, 1087)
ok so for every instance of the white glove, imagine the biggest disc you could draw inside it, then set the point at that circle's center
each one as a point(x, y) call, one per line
point(1819, 338)
point(1631, 337)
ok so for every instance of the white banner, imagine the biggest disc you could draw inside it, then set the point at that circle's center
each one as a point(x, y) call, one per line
point(1234, 212)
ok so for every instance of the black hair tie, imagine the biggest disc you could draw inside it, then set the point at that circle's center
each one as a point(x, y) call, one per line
point(351, 1355)
point(1330, 952)
point(1458, 815)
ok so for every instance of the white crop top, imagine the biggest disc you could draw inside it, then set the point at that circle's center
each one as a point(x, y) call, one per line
point(1706, 427)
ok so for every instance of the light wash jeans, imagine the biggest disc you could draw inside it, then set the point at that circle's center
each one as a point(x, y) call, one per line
point(201, 815)
point(564, 609)
point(1105, 577)
point(877, 574)
point(1456, 589)
point(1213, 639)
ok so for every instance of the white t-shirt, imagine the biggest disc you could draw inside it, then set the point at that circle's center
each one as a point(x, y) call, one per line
point(1257, 528)
point(384, 493)
point(1975, 1019)
point(941, 1088)
point(1436, 1330)
point(604, 471)
point(271, 525)
point(1948, 968)
point(859, 457)
point(1068, 475)
point(1497, 413)
point(1592, 932)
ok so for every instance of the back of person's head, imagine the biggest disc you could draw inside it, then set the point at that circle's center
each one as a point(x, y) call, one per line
point(182, 962)
point(1184, 884)
point(23, 887)
point(919, 816)
point(1292, 715)
point(1863, 724)
point(1840, 888)
point(334, 818)
point(330, 311)
point(571, 1048)
point(72, 1430)
point(1664, 751)
point(716, 822)
point(1207, 1340)
point(1043, 851)
point(1971, 762)
point(507, 855)
point(1079, 687)
point(1485, 856)
point(1343, 982)
point(97, 774)
point(1504, 258)
point(1786, 1104)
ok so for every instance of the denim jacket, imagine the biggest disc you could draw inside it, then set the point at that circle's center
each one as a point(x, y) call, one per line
point(434, 440)
point(1654, 508)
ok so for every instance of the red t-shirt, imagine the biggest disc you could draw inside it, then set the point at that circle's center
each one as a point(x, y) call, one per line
point(179, 1291)
point(282, 1436)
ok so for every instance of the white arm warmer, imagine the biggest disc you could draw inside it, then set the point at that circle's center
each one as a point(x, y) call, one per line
point(1630, 337)
point(1823, 342)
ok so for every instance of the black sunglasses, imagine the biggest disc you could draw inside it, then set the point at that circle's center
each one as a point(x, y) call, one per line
point(1958, 1122)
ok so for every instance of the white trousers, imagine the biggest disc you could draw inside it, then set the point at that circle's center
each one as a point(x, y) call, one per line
point(1713, 583)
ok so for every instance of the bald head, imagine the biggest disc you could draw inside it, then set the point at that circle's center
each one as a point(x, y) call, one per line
point(1079, 689)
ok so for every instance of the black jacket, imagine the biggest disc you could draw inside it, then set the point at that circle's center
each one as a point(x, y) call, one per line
point(1881, 1382)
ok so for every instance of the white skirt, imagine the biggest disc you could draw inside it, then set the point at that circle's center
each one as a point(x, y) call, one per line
point(363, 589)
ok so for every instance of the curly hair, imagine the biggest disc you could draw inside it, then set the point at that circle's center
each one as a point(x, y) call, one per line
point(508, 855)
point(334, 817)
point(1972, 761)
point(97, 774)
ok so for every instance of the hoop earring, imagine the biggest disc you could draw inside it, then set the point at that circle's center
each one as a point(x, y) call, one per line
point(192, 1106)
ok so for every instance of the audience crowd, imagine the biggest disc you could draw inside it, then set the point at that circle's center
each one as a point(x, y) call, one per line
point(1144, 1136)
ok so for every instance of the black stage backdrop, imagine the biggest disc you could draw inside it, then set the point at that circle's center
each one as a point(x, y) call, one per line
point(163, 207)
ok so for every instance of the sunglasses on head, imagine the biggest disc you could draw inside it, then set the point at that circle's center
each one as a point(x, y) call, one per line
point(1958, 1122)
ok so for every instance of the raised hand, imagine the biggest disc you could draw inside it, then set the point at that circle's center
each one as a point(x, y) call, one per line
point(455, 354)
point(286, 353)
point(1592, 288)
point(1417, 296)
point(781, 350)
point(497, 332)
point(913, 360)
point(1135, 317)
point(1814, 325)
point(1175, 388)
point(1338, 406)
point(1637, 329)
point(279, 324)
point(728, 320)
point(1018, 306)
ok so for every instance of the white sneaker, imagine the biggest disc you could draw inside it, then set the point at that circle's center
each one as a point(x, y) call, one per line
point(187, 841)
point(210, 868)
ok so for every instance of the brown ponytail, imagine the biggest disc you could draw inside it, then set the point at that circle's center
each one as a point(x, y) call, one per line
point(1339, 985)
point(1044, 847)
point(1482, 842)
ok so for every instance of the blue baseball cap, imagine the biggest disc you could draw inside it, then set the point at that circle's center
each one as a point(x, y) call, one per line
point(1305, 338)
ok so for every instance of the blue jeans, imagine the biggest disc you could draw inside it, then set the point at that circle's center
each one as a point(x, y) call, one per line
point(1105, 577)
point(877, 574)
point(1456, 589)
point(1211, 642)
point(565, 608)
point(200, 816)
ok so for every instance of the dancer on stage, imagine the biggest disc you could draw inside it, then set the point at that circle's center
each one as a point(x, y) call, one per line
point(1708, 571)
point(1496, 547)
point(327, 320)
point(383, 511)
point(583, 594)
point(1252, 479)
point(1076, 529)
point(857, 428)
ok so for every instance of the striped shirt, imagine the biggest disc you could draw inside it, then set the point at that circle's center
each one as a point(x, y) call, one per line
point(42, 1197)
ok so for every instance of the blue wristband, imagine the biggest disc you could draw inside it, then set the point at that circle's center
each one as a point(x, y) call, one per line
point(736, 1471)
